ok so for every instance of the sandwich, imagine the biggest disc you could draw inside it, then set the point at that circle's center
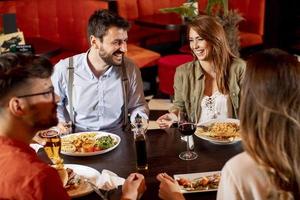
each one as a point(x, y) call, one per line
point(69, 178)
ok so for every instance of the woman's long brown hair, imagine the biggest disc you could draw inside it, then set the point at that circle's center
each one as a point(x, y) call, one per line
point(270, 118)
point(212, 31)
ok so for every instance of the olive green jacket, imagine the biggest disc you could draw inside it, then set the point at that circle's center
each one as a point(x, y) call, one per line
point(189, 87)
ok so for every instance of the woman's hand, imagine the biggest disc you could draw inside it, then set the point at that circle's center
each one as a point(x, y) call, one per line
point(168, 188)
point(134, 187)
point(166, 120)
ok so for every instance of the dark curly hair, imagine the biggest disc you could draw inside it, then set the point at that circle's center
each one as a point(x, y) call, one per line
point(16, 69)
point(101, 20)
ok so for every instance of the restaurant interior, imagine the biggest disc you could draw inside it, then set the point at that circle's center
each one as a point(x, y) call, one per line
point(157, 41)
point(158, 45)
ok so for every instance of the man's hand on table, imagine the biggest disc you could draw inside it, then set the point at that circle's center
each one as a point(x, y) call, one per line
point(134, 187)
point(168, 188)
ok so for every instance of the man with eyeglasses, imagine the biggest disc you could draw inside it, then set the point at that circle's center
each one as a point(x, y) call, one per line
point(99, 88)
point(28, 105)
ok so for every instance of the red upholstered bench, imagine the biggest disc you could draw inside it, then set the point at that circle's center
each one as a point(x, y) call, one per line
point(252, 28)
point(166, 70)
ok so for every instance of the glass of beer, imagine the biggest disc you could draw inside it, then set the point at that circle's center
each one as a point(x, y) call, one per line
point(52, 145)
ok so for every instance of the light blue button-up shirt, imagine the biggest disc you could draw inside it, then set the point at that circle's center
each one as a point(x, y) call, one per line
point(98, 102)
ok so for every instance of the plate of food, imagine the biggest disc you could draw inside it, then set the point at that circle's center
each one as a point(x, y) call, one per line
point(198, 182)
point(89, 143)
point(74, 179)
point(220, 131)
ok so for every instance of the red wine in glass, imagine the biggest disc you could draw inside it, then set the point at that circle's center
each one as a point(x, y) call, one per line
point(187, 128)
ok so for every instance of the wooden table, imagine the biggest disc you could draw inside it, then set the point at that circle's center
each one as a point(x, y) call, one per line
point(163, 149)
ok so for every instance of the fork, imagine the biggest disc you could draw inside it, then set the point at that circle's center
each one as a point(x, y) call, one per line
point(96, 189)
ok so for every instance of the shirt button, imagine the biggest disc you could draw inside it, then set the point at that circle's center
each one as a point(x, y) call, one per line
point(233, 94)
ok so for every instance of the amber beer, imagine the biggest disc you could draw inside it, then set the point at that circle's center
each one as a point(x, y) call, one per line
point(52, 145)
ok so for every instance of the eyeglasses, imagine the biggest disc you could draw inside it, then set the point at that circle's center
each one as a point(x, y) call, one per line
point(51, 91)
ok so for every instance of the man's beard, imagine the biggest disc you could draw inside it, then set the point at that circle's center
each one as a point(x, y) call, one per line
point(108, 59)
point(53, 121)
point(38, 123)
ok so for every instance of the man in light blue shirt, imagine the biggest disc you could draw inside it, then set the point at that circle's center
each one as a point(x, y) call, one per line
point(105, 85)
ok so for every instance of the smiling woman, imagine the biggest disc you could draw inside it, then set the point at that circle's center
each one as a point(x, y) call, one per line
point(208, 87)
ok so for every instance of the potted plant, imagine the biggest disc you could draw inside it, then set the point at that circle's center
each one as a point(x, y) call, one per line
point(218, 8)
point(188, 10)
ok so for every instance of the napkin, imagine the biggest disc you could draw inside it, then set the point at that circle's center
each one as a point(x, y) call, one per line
point(109, 180)
point(153, 125)
point(159, 104)
point(36, 147)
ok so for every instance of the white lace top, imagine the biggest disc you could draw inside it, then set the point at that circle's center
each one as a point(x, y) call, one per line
point(217, 106)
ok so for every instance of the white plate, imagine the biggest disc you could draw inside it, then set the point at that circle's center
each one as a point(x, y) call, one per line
point(193, 176)
point(218, 141)
point(85, 172)
point(99, 134)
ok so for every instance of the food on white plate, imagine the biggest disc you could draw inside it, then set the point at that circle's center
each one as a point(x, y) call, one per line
point(63, 174)
point(220, 130)
point(69, 178)
point(87, 142)
point(201, 183)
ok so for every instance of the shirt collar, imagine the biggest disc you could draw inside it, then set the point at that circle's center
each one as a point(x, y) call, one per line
point(86, 66)
point(198, 69)
point(91, 75)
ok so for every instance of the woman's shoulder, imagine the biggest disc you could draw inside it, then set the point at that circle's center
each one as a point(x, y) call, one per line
point(238, 63)
point(242, 175)
point(239, 165)
point(238, 66)
point(185, 67)
point(241, 162)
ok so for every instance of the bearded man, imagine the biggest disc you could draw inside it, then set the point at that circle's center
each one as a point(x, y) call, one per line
point(99, 88)
point(27, 105)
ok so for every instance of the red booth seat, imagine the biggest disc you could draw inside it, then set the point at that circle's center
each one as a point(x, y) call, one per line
point(59, 30)
point(145, 36)
point(166, 70)
point(252, 28)
point(62, 23)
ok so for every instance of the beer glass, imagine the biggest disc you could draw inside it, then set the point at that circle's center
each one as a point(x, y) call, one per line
point(52, 145)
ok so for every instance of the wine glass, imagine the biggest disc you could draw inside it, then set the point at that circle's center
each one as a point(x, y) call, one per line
point(187, 128)
point(52, 145)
